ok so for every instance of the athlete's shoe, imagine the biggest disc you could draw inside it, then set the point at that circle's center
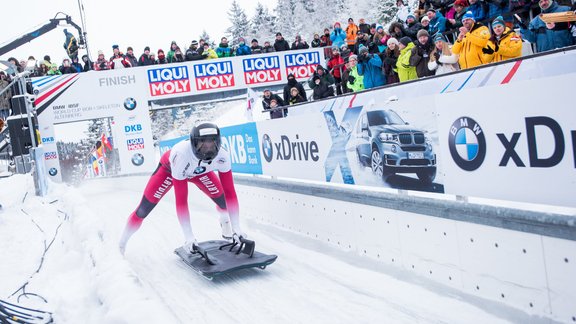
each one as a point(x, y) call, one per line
point(191, 246)
point(226, 227)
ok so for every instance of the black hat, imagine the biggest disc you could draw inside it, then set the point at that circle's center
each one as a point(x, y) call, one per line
point(405, 40)
point(254, 40)
point(115, 47)
point(129, 48)
point(147, 48)
point(194, 42)
point(291, 75)
point(278, 34)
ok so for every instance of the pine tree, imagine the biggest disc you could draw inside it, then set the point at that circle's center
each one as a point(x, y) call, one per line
point(206, 38)
point(262, 24)
point(161, 123)
point(240, 25)
point(286, 18)
point(386, 10)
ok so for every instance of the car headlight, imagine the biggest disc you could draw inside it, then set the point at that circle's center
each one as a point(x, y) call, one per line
point(387, 137)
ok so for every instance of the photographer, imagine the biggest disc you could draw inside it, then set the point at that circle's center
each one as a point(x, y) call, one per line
point(370, 67)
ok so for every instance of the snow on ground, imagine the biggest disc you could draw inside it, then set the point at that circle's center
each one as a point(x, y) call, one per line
point(84, 278)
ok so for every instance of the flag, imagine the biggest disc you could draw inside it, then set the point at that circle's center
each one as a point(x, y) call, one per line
point(94, 161)
point(106, 142)
point(252, 98)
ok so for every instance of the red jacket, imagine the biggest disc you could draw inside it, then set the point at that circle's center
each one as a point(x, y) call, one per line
point(336, 65)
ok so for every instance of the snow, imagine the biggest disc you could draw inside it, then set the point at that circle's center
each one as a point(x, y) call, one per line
point(85, 279)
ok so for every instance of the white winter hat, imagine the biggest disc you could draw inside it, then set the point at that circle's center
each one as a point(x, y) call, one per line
point(392, 40)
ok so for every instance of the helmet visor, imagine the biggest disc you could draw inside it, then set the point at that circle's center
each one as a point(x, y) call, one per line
point(206, 148)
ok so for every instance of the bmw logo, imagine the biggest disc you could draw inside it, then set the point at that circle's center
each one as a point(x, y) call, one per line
point(53, 171)
point(267, 147)
point(137, 159)
point(130, 103)
point(467, 143)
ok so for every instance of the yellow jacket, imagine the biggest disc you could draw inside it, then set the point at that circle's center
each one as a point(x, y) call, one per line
point(470, 48)
point(509, 46)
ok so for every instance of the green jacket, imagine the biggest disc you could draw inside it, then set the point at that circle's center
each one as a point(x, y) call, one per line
point(406, 72)
point(358, 82)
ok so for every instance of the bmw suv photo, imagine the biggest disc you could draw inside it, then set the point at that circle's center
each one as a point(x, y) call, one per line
point(389, 145)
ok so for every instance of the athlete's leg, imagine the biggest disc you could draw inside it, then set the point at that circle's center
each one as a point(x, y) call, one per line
point(158, 185)
point(210, 185)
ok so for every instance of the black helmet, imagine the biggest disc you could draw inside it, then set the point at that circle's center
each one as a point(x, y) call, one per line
point(205, 140)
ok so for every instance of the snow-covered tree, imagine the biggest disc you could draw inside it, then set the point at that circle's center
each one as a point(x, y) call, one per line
point(286, 19)
point(386, 10)
point(180, 119)
point(262, 25)
point(239, 20)
point(206, 37)
point(162, 121)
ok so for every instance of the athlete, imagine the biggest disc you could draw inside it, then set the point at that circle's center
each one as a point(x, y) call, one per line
point(193, 160)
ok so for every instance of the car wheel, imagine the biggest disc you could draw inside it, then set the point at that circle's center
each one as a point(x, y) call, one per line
point(427, 176)
point(376, 163)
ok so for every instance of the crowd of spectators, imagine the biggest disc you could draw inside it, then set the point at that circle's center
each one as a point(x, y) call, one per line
point(437, 37)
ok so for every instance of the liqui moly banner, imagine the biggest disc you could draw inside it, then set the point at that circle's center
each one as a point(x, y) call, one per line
point(261, 69)
point(214, 75)
point(302, 65)
point(168, 80)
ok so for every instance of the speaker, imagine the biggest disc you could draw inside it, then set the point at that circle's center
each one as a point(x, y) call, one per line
point(20, 138)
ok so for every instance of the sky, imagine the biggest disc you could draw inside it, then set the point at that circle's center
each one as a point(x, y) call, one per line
point(124, 23)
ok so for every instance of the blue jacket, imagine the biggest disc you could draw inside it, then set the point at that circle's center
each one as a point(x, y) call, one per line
point(372, 72)
point(548, 39)
point(438, 24)
point(243, 50)
point(338, 37)
point(478, 10)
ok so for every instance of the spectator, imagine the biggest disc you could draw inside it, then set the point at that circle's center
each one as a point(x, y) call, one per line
point(153, 58)
point(88, 66)
point(192, 53)
point(76, 65)
point(363, 26)
point(161, 57)
point(295, 97)
point(255, 48)
point(351, 33)
point(455, 21)
point(372, 30)
point(325, 38)
point(54, 70)
point(47, 61)
point(504, 44)
point(279, 113)
point(268, 48)
point(223, 50)
point(243, 49)
point(5, 97)
point(280, 44)
point(421, 54)
point(208, 52)
point(437, 22)
point(478, 9)
point(292, 83)
point(547, 36)
point(144, 59)
point(171, 52)
point(326, 77)
point(130, 56)
point(321, 89)
point(425, 24)
point(442, 60)
point(472, 38)
point(345, 52)
point(43, 68)
point(299, 43)
point(362, 40)
point(271, 101)
point(402, 13)
point(316, 42)
point(389, 59)
point(345, 75)
point(337, 36)
point(178, 55)
point(66, 67)
point(380, 39)
point(336, 67)
point(118, 60)
point(355, 81)
point(406, 72)
point(17, 64)
point(397, 30)
point(370, 67)
point(101, 63)
point(412, 26)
